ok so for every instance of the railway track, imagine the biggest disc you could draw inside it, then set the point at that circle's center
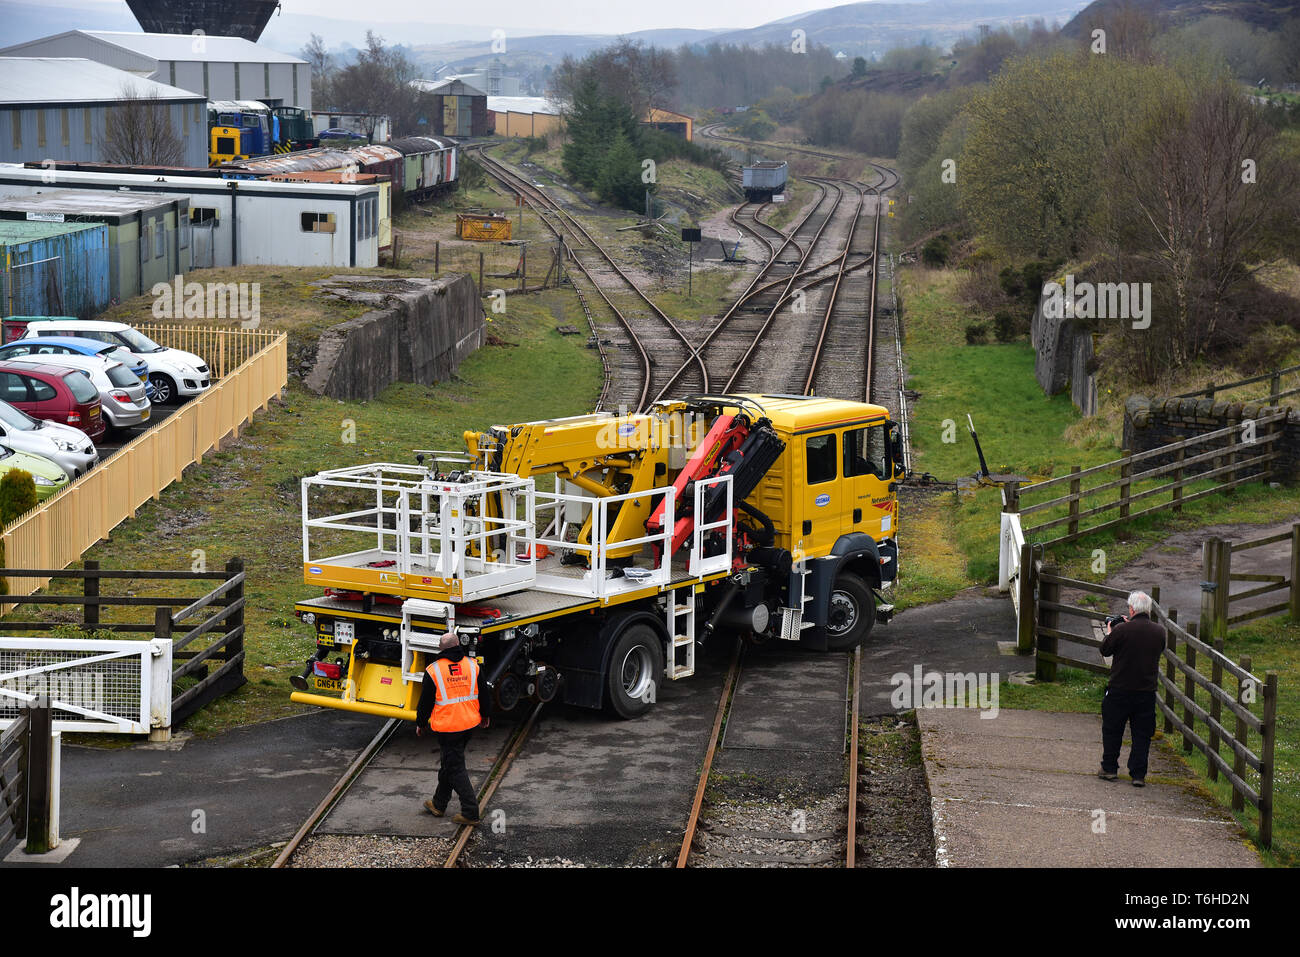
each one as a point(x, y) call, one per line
point(653, 342)
point(368, 756)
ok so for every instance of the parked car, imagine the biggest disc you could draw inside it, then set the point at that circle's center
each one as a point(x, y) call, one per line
point(175, 374)
point(48, 476)
point(77, 345)
point(67, 447)
point(54, 393)
point(121, 394)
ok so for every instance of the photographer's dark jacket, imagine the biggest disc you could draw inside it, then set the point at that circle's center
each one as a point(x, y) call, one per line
point(1136, 645)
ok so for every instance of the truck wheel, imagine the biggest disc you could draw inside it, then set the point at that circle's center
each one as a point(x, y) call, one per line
point(636, 668)
point(850, 613)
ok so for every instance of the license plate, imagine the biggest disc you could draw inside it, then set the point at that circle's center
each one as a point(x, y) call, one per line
point(328, 684)
point(144, 414)
point(344, 631)
point(94, 412)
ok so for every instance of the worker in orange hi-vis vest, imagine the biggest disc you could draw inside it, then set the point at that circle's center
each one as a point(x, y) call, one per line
point(449, 708)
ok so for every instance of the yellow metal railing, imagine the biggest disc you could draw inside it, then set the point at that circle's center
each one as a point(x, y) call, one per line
point(224, 349)
point(59, 530)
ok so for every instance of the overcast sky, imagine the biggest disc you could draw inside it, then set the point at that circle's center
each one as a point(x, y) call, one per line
point(557, 16)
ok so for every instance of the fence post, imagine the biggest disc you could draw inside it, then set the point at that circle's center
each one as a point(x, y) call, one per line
point(1171, 676)
point(1266, 760)
point(236, 621)
point(1274, 388)
point(481, 290)
point(1125, 472)
point(1047, 617)
point(1223, 583)
point(437, 251)
point(41, 827)
point(1216, 679)
point(1294, 595)
point(1076, 485)
point(1028, 611)
point(1011, 497)
point(1243, 733)
point(1178, 479)
point(90, 588)
point(1189, 692)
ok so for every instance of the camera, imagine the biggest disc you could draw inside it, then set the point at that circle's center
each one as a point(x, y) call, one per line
point(1113, 620)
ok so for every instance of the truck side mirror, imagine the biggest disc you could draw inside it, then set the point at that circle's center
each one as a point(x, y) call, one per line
point(896, 449)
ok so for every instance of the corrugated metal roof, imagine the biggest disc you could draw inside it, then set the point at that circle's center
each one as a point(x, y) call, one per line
point(13, 231)
point(184, 46)
point(68, 80)
point(450, 87)
point(522, 104)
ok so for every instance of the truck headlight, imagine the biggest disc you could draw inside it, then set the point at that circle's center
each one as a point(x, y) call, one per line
point(308, 618)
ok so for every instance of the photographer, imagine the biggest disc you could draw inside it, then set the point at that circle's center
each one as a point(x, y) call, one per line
point(1136, 644)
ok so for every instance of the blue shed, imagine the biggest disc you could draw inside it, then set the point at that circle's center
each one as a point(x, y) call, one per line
point(53, 269)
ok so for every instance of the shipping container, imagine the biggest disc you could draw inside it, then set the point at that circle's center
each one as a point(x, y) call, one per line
point(148, 234)
point(53, 269)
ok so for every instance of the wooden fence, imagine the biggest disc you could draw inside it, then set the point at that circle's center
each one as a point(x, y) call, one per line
point(29, 781)
point(58, 531)
point(224, 349)
point(1217, 577)
point(1232, 463)
point(1225, 684)
point(1275, 390)
point(222, 626)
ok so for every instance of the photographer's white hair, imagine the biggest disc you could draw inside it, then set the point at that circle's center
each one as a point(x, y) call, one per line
point(1140, 602)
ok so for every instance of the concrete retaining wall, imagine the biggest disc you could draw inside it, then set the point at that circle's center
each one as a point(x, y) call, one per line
point(420, 331)
point(1150, 423)
point(1063, 350)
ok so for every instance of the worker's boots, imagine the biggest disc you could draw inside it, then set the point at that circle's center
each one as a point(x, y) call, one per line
point(467, 821)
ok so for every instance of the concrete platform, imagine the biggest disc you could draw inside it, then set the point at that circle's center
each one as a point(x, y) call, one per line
point(1021, 790)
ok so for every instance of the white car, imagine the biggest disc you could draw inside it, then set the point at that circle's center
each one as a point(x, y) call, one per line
point(121, 393)
point(64, 445)
point(174, 374)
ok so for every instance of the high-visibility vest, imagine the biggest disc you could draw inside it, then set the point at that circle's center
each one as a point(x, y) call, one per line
point(456, 706)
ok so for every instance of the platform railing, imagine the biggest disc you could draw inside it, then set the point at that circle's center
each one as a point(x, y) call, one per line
point(700, 563)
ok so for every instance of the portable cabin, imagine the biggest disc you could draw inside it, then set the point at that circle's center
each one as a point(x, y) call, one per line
point(53, 268)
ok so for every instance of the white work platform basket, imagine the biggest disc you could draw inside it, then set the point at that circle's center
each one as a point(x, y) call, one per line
point(401, 530)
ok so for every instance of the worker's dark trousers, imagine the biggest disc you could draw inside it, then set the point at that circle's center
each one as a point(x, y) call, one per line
point(452, 774)
point(1137, 709)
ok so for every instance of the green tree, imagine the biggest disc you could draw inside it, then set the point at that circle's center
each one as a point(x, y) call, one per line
point(859, 66)
point(620, 182)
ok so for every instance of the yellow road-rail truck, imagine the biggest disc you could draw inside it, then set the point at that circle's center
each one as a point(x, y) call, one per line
point(587, 557)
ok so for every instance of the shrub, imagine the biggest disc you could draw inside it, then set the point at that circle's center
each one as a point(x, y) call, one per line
point(17, 494)
point(1006, 326)
point(977, 333)
point(936, 251)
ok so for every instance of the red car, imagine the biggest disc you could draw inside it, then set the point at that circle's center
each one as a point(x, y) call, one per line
point(54, 393)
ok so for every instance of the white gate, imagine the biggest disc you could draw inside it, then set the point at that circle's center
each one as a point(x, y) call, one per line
point(111, 685)
point(1009, 556)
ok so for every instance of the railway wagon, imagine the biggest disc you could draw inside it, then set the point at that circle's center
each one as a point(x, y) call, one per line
point(762, 181)
point(430, 164)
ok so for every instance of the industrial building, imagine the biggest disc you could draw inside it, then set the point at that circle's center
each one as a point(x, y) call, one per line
point(147, 239)
point(218, 67)
point(459, 109)
point(239, 222)
point(53, 269)
point(57, 109)
point(523, 116)
point(679, 124)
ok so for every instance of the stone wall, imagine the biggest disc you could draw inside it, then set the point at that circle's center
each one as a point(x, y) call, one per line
point(1150, 423)
point(419, 331)
point(1063, 353)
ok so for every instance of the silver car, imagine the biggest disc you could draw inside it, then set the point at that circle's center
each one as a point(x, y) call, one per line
point(121, 393)
point(66, 446)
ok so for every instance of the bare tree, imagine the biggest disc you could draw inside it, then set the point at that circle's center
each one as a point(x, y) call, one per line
point(379, 83)
point(322, 70)
point(138, 130)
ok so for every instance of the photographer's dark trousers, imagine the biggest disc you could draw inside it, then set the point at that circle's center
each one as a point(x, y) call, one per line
point(1137, 709)
point(452, 774)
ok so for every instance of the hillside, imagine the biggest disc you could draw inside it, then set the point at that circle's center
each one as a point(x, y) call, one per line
point(1265, 14)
